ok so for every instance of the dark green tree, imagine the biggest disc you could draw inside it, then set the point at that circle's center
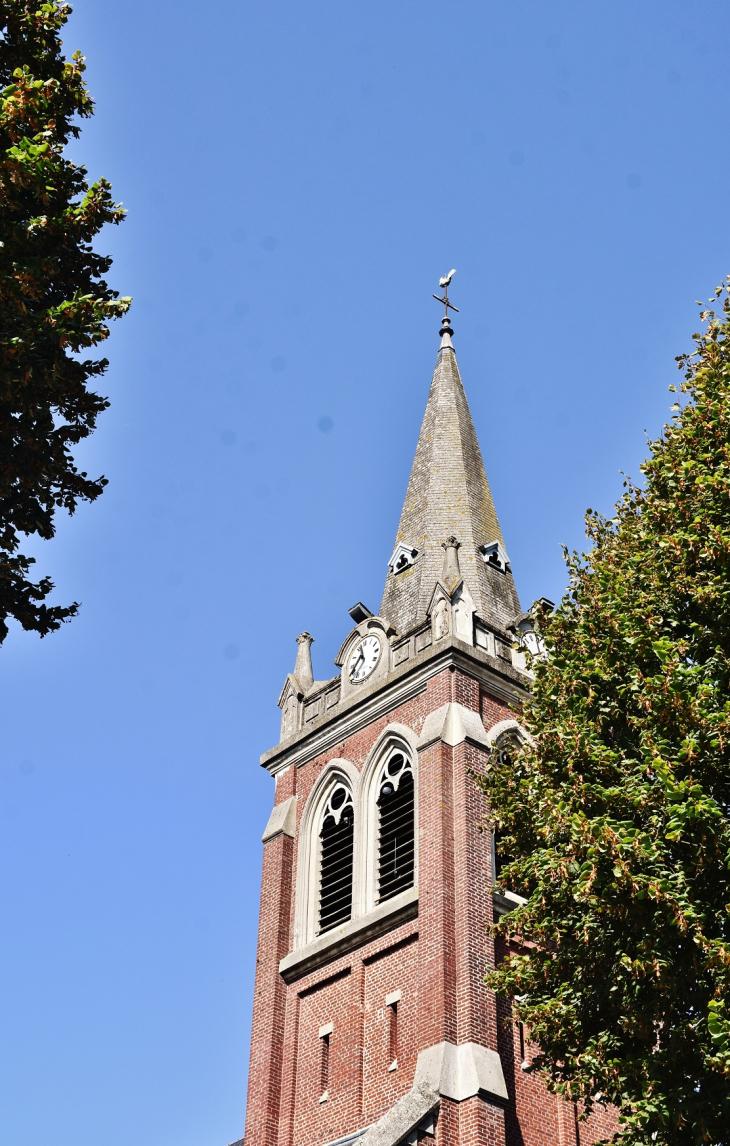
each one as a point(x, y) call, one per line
point(55, 304)
point(617, 816)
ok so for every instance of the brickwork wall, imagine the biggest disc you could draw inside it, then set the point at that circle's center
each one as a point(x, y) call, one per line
point(335, 1000)
point(350, 993)
point(600, 1126)
point(395, 969)
point(437, 954)
point(476, 1005)
point(437, 961)
point(267, 1034)
point(535, 1117)
point(476, 1123)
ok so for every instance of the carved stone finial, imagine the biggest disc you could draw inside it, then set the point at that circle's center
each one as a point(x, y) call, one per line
point(451, 571)
point(303, 667)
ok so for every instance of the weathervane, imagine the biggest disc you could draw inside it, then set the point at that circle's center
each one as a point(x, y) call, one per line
point(444, 282)
point(445, 330)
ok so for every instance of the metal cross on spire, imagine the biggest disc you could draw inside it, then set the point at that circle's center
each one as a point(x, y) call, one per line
point(444, 282)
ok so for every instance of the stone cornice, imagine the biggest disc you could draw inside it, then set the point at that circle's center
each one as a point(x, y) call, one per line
point(406, 681)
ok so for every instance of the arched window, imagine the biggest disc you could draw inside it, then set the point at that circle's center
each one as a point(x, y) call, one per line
point(396, 834)
point(336, 859)
point(506, 739)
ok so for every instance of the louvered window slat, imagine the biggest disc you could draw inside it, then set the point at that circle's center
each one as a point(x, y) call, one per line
point(396, 844)
point(335, 885)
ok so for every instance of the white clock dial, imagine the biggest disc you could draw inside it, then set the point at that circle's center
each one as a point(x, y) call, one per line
point(364, 658)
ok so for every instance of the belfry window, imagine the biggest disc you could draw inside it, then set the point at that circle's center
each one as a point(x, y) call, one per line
point(505, 749)
point(396, 834)
point(336, 859)
point(500, 858)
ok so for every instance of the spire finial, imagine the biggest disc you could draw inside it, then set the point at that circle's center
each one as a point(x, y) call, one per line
point(445, 330)
point(451, 571)
point(303, 667)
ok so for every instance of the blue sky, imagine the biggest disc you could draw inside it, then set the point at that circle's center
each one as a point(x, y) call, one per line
point(297, 178)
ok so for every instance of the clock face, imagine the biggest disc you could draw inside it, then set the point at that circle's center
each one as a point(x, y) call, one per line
point(364, 658)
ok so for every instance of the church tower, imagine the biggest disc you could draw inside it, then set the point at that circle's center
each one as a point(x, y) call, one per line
point(372, 1023)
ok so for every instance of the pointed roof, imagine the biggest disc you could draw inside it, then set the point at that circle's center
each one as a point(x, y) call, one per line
point(448, 496)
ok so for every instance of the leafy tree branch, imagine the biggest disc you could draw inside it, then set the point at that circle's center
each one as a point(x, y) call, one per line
point(617, 818)
point(55, 303)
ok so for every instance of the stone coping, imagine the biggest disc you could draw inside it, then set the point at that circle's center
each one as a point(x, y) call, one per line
point(505, 901)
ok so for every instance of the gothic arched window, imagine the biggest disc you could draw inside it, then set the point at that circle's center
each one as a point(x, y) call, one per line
point(336, 859)
point(396, 828)
point(505, 746)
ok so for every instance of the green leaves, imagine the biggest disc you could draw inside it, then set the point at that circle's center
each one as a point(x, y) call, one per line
point(618, 816)
point(54, 301)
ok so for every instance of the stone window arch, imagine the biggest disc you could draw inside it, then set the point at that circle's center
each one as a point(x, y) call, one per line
point(507, 733)
point(326, 854)
point(388, 860)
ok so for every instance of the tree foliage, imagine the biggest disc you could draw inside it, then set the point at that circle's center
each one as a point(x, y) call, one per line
point(617, 816)
point(55, 304)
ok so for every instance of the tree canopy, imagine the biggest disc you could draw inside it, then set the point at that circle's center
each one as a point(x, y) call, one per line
point(616, 816)
point(55, 305)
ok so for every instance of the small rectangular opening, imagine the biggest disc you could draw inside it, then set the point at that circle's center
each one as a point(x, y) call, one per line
point(391, 1006)
point(393, 1035)
point(524, 1064)
point(325, 1034)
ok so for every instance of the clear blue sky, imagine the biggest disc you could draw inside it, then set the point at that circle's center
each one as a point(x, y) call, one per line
point(297, 177)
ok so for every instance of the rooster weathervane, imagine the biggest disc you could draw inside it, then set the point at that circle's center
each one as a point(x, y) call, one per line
point(444, 283)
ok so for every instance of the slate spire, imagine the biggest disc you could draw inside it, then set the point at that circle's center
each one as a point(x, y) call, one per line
point(448, 496)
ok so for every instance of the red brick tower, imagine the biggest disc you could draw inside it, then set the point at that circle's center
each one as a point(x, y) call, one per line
point(371, 1019)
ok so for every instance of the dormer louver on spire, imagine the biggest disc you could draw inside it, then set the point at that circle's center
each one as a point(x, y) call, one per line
point(448, 496)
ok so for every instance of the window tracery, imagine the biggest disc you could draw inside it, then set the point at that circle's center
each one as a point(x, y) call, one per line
point(357, 845)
